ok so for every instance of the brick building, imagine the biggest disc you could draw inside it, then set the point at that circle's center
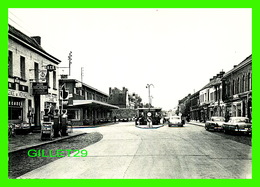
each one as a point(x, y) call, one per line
point(194, 106)
point(237, 89)
point(118, 97)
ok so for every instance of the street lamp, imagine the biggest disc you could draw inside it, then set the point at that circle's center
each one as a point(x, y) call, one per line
point(149, 97)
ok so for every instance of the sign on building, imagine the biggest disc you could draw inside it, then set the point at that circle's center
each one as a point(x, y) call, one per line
point(42, 75)
point(50, 67)
point(40, 88)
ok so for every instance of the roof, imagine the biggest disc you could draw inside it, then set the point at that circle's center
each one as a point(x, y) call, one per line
point(84, 84)
point(21, 37)
point(93, 103)
point(241, 64)
point(213, 82)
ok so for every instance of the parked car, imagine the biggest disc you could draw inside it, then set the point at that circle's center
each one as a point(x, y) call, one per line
point(175, 121)
point(215, 123)
point(238, 125)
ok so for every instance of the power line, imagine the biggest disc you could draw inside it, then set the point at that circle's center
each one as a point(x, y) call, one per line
point(18, 24)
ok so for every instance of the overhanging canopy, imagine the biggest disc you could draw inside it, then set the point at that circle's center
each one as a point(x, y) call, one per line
point(93, 103)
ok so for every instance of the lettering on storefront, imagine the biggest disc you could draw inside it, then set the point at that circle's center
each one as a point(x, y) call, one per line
point(51, 98)
point(40, 88)
point(15, 93)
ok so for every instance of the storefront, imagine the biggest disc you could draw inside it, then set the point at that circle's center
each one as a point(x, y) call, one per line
point(15, 109)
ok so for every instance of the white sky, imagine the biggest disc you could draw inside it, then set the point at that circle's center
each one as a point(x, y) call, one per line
point(176, 50)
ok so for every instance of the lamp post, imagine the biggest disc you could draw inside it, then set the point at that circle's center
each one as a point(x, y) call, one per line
point(149, 97)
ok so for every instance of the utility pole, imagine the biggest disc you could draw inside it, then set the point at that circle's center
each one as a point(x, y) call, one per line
point(70, 60)
point(149, 98)
point(82, 73)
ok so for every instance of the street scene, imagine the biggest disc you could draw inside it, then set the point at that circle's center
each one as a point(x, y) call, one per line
point(128, 152)
point(130, 93)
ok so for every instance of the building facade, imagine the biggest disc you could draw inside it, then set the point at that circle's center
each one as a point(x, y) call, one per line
point(32, 79)
point(124, 99)
point(210, 98)
point(85, 104)
point(237, 90)
point(194, 106)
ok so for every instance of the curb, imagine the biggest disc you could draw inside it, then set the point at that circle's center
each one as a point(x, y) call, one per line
point(78, 127)
point(145, 127)
point(196, 124)
point(45, 142)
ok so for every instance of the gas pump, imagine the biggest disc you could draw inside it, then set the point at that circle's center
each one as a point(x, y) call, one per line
point(56, 123)
point(64, 122)
point(47, 131)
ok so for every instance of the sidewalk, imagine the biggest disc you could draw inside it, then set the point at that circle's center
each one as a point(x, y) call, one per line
point(21, 142)
point(95, 126)
point(193, 122)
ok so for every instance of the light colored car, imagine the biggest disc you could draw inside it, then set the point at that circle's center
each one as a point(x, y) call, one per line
point(215, 123)
point(175, 121)
point(238, 124)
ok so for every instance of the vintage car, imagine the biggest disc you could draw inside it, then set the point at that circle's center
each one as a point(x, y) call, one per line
point(175, 121)
point(238, 125)
point(215, 123)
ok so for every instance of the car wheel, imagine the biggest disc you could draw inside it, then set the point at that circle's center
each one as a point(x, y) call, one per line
point(225, 131)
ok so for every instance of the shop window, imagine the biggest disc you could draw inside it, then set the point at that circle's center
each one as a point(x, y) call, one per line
point(73, 114)
point(14, 113)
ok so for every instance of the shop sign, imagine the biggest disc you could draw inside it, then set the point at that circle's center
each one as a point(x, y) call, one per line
point(51, 98)
point(50, 67)
point(42, 75)
point(15, 93)
point(40, 88)
point(15, 103)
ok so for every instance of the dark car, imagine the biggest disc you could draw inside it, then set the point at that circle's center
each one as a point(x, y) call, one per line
point(215, 123)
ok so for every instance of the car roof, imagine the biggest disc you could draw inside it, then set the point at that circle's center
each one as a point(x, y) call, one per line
point(238, 117)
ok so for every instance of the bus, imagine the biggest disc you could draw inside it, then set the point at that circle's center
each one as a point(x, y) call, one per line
point(146, 116)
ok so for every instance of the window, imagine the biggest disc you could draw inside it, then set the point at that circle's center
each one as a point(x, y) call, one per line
point(48, 78)
point(73, 114)
point(54, 80)
point(243, 84)
point(249, 81)
point(238, 85)
point(22, 67)
point(234, 88)
point(36, 71)
point(10, 63)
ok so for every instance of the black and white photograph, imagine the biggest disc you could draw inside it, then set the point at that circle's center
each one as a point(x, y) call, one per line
point(130, 93)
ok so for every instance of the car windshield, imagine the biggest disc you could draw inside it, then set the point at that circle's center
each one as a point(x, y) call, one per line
point(175, 117)
point(240, 120)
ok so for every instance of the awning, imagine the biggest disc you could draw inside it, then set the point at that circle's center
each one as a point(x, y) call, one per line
point(93, 103)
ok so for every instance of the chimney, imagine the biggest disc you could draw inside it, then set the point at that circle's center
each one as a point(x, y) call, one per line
point(37, 39)
point(235, 66)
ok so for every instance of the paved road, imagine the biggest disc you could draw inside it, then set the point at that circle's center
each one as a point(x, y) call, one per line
point(176, 153)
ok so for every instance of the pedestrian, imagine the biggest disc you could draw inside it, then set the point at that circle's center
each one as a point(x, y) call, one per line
point(114, 119)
